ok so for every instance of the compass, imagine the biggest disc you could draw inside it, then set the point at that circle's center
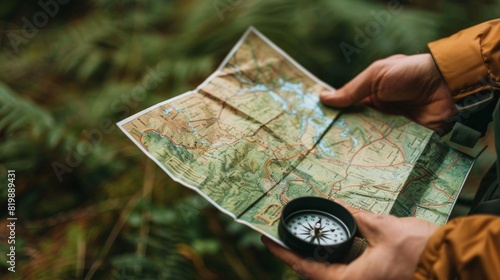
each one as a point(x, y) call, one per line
point(317, 227)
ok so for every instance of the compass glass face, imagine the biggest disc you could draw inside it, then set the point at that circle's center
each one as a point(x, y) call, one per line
point(317, 228)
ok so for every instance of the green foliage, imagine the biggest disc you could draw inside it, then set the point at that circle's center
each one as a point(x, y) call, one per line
point(91, 204)
point(17, 113)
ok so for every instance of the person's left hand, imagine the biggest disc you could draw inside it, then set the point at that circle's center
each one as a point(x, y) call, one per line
point(408, 85)
point(394, 248)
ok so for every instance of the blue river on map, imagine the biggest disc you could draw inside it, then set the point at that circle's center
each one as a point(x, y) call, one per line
point(346, 131)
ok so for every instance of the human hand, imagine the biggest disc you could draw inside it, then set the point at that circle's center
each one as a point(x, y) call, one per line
point(394, 248)
point(408, 85)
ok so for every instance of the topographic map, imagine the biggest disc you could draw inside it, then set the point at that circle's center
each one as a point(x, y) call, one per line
point(254, 135)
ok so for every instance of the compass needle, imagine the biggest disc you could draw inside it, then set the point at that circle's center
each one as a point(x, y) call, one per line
point(321, 237)
point(310, 227)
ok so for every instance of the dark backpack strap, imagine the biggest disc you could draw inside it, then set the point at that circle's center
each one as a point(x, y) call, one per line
point(474, 113)
point(487, 199)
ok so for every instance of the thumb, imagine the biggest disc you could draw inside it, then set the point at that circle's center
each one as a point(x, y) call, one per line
point(371, 225)
point(353, 92)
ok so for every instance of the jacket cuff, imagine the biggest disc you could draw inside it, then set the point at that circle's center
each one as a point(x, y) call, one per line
point(469, 59)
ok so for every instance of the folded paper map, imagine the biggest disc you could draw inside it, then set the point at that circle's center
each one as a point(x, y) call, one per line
point(254, 135)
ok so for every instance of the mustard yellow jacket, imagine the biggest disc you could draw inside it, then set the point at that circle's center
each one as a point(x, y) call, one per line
point(468, 247)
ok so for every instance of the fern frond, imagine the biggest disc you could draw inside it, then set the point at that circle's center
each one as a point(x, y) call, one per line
point(17, 112)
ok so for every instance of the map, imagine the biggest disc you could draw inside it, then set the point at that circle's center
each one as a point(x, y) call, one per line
point(255, 135)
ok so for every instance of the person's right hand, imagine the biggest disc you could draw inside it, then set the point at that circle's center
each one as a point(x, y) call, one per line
point(393, 251)
point(408, 85)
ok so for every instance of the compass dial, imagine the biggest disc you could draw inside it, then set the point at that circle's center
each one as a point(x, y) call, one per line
point(317, 228)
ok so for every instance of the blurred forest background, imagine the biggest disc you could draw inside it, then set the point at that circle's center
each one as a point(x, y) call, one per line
point(89, 203)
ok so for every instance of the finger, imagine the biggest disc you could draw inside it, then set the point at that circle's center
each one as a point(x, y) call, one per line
point(388, 108)
point(305, 267)
point(372, 226)
point(354, 91)
point(281, 252)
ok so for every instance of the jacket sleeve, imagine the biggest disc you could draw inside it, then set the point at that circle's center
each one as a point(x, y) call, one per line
point(469, 247)
point(466, 248)
point(470, 59)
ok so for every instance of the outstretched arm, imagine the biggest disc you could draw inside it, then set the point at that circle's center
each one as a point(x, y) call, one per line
point(463, 67)
point(407, 85)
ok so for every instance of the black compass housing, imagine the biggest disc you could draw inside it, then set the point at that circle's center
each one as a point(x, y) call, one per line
point(309, 204)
